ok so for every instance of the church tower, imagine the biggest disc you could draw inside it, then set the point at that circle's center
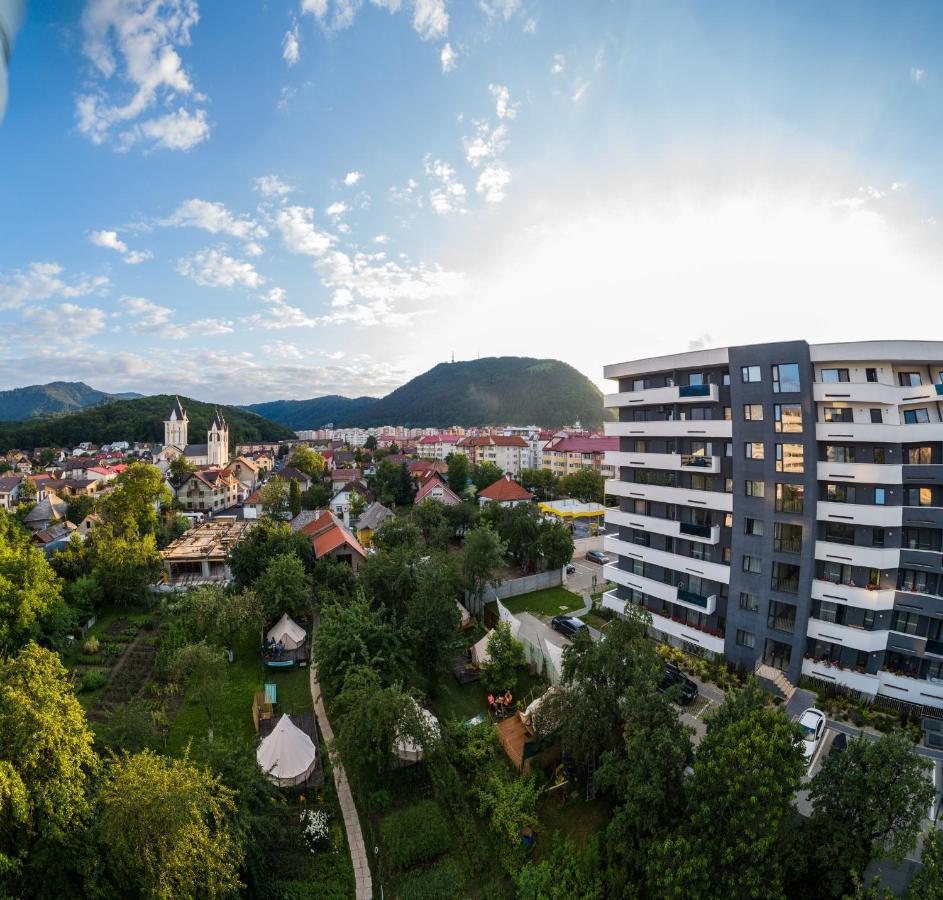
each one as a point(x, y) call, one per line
point(217, 442)
point(175, 426)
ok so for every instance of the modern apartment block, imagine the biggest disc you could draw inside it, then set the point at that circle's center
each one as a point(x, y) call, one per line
point(783, 504)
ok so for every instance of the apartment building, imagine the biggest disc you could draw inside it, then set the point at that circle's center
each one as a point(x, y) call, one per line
point(564, 454)
point(506, 452)
point(783, 504)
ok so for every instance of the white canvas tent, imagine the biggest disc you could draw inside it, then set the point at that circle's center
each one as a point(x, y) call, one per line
point(480, 655)
point(410, 750)
point(288, 631)
point(288, 756)
point(464, 613)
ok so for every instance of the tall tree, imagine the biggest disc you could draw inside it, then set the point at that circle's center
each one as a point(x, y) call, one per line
point(316, 497)
point(179, 470)
point(928, 882)
point(458, 473)
point(389, 578)
point(433, 520)
point(542, 483)
point(217, 616)
point(131, 509)
point(202, 669)
point(556, 544)
point(309, 461)
point(506, 659)
point(268, 539)
point(432, 614)
point(123, 564)
point(584, 484)
point(482, 555)
point(294, 497)
point(274, 495)
point(283, 587)
point(484, 474)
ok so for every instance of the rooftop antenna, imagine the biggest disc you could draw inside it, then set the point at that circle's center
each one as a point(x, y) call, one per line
point(453, 356)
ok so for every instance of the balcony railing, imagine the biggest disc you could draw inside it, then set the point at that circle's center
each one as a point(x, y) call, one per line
point(787, 545)
point(786, 585)
point(939, 389)
point(789, 506)
point(698, 462)
point(690, 597)
point(694, 390)
point(689, 528)
point(935, 647)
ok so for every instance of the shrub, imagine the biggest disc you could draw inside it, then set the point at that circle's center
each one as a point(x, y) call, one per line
point(91, 646)
point(93, 680)
point(415, 835)
point(380, 800)
point(443, 880)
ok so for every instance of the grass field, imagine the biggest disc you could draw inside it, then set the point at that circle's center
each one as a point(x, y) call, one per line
point(549, 602)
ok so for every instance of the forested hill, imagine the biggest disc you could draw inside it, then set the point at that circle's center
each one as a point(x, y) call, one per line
point(314, 413)
point(135, 420)
point(55, 397)
point(495, 390)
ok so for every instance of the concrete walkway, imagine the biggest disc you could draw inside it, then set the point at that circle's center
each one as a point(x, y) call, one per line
point(358, 852)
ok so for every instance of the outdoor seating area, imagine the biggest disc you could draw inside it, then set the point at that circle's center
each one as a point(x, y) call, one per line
point(289, 752)
point(285, 645)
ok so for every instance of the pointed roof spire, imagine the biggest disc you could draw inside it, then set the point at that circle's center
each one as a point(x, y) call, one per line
point(176, 410)
point(218, 420)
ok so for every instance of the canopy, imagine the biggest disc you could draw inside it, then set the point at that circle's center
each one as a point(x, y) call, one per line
point(408, 749)
point(464, 613)
point(480, 655)
point(572, 509)
point(288, 756)
point(288, 631)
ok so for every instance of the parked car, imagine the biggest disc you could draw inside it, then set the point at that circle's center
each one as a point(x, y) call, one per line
point(597, 556)
point(674, 676)
point(812, 723)
point(839, 744)
point(567, 625)
point(570, 568)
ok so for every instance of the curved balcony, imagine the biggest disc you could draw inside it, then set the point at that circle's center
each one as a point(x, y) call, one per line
point(851, 555)
point(858, 638)
point(859, 514)
point(667, 592)
point(872, 392)
point(852, 595)
point(705, 534)
point(671, 462)
point(860, 473)
point(695, 428)
point(884, 433)
point(674, 561)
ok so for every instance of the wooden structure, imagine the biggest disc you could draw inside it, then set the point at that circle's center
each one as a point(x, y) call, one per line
point(199, 556)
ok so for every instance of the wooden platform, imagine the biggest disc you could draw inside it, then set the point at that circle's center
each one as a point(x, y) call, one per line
point(513, 736)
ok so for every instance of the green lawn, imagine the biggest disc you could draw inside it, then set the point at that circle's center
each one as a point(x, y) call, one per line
point(465, 701)
point(593, 618)
point(548, 602)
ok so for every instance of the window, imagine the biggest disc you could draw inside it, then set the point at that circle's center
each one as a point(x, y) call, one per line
point(728, 448)
point(918, 539)
point(919, 456)
point(789, 458)
point(727, 414)
point(749, 601)
point(696, 378)
point(700, 413)
point(638, 384)
point(787, 538)
point(877, 537)
point(912, 580)
point(786, 378)
point(918, 496)
point(825, 611)
point(749, 374)
point(871, 375)
point(880, 496)
point(906, 622)
point(752, 564)
point(725, 379)
point(728, 485)
point(665, 479)
point(789, 497)
point(788, 417)
point(755, 488)
point(700, 482)
point(640, 507)
point(728, 520)
point(839, 454)
point(839, 533)
point(785, 578)
point(782, 616)
point(908, 379)
point(726, 556)
point(877, 417)
point(840, 493)
point(834, 376)
point(837, 414)
point(916, 416)
point(880, 456)
point(753, 526)
point(642, 538)
point(837, 573)
point(753, 450)
point(753, 412)
point(745, 638)
point(641, 446)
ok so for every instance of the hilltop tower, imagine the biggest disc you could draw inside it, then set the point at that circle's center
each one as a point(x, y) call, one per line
point(175, 426)
point(217, 441)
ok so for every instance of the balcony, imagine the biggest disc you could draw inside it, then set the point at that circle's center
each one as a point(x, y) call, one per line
point(706, 464)
point(852, 555)
point(871, 392)
point(677, 562)
point(690, 529)
point(852, 595)
point(850, 678)
point(845, 636)
point(696, 428)
point(667, 592)
point(661, 494)
point(859, 514)
point(939, 389)
point(860, 473)
point(692, 599)
point(708, 534)
point(663, 396)
point(883, 433)
point(695, 390)
point(671, 462)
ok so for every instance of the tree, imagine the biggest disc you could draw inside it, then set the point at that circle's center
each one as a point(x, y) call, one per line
point(868, 802)
point(432, 518)
point(392, 484)
point(294, 497)
point(511, 806)
point(268, 539)
point(357, 505)
point(74, 560)
point(309, 461)
point(458, 473)
point(432, 614)
point(316, 497)
point(283, 587)
point(482, 556)
point(28, 492)
point(131, 508)
point(203, 669)
point(79, 507)
point(389, 578)
point(556, 544)
point(485, 474)
point(370, 443)
point(217, 616)
point(47, 763)
point(123, 565)
point(172, 526)
point(563, 873)
point(179, 470)
point(928, 882)
point(506, 654)
point(166, 829)
point(274, 496)
point(584, 484)
point(396, 531)
point(542, 483)
point(739, 805)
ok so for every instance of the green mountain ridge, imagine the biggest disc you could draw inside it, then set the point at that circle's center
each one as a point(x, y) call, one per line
point(491, 391)
point(54, 398)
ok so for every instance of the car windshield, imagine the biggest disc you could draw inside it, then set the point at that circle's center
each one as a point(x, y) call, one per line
point(808, 732)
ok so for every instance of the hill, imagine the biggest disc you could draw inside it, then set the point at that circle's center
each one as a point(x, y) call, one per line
point(55, 397)
point(495, 390)
point(314, 413)
point(135, 420)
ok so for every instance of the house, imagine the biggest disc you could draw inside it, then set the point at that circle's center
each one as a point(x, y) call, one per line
point(209, 491)
point(421, 469)
point(43, 514)
point(84, 528)
point(329, 537)
point(340, 502)
point(245, 471)
point(340, 477)
point(505, 492)
point(73, 487)
point(370, 520)
point(290, 473)
point(54, 538)
point(565, 454)
point(200, 555)
point(505, 451)
point(435, 488)
point(10, 486)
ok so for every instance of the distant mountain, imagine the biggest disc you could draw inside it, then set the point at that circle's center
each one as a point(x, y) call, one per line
point(52, 398)
point(135, 420)
point(315, 413)
point(491, 391)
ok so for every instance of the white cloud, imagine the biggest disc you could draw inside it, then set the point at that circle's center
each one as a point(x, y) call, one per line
point(351, 178)
point(214, 218)
point(42, 282)
point(381, 239)
point(282, 350)
point(205, 327)
point(450, 195)
point(133, 46)
point(280, 315)
point(492, 182)
point(338, 208)
point(109, 240)
point(272, 186)
point(447, 58)
point(252, 249)
point(917, 74)
point(579, 90)
point(502, 97)
point(500, 8)
point(148, 317)
point(530, 26)
point(213, 268)
point(66, 322)
point(296, 224)
point(486, 144)
point(291, 46)
point(558, 65)
point(430, 19)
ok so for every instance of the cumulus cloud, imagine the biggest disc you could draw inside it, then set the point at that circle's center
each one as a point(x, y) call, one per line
point(282, 350)
point(214, 218)
point(66, 322)
point(272, 186)
point(296, 224)
point(430, 19)
point(502, 101)
point(558, 64)
point(213, 268)
point(109, 240)
point(338, 208)
point(447, 58)
point(291, 45)
point(351, 178)
point(279, 314)
point(492, 182)
point(42, 281)
point(139, 87)
point(449, 195)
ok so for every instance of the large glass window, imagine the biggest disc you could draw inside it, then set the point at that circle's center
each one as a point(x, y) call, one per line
point(840, 493)
point(836, 573)
point(786, 379)
point(745, 638)
point(753, 526)
point(696, 378)
point(919, 456)
point(752, 564)
point(916, 416)
point(920, 538)
point(908, 379)
point(905, 622)
point(754, 450)
point(785, 578)
point(749, 601)
point(788, 417)
point(839, 533)
point(750, 374)
point(837, 414)
point(914, 580)
point(871, 375)
point(753, 412)
point(825, 611)
point(837, 454)
point(782, 616)
point(789, 497)
point(918, 496)
point(787, 538)
point(833, 376)
point(755, 488)
point(790, 458)
point(877, 417)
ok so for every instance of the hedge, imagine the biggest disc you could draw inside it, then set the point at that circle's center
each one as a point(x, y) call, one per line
point(415, 835)
point(442, 881)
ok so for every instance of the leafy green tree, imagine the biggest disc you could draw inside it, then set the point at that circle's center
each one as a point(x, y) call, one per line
point(130, 509)
point(397, 531)
point(482, 556)
point(217, 616)
point(283, 587)
point(46, 457)
point(309, 461)
point(47, 765)
point(84, 595)
point(73, 561)
point(868, 802)
point(203, 669)
point(171, 527)
point(268, 539)
point(294, 497)
point(739, 806)
point(459, 473)
point(28, 493)
point(511, 806)
point(133, 727)
point(333, 579)
point(584, 484)
point(316, 497)
point(507, 658)
point(166, 829)
point(432, 615)
point(462, 516)
point(389, 578)
point(432, 518)
point(565, 872)
point(79, 507)
point(556, 544)
point(357, 505)
point(370, 443)
point(522, 528)
point(123, 565)
point(392, 484)
point(928, 882)
point(179, 470)
point(542, 483)
point(484, 474)
point(275, 503)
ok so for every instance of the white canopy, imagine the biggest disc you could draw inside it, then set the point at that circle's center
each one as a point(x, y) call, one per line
point(480, 655)
point(288, 756)
point(464, 613)
point(288, 631)
point(410, 750)
point(506, 616)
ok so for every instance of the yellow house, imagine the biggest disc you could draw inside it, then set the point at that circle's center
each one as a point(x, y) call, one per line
point(370, 520)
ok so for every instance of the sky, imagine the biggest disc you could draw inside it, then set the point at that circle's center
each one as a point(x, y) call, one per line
point(252, 201)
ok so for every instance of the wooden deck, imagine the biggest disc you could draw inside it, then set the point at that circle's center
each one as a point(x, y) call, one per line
point(513, 736)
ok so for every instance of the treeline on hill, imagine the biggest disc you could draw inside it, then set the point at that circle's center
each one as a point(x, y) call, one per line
point(314, 413)
point(135, 420)
point(55, 398)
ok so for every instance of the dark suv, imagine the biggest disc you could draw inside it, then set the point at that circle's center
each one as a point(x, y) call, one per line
point(567, 625)
point(674, 676)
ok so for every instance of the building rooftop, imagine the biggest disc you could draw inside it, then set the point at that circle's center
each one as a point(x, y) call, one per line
point(211, 540)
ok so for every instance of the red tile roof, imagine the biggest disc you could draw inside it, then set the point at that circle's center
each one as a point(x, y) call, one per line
point(327, 534)
point(430, 483)
point(585, 444)
point(494, 440)
point(504, 490)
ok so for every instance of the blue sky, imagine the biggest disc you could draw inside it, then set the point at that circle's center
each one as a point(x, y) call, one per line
point(314, 196)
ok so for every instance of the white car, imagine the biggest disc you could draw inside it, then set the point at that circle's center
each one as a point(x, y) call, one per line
point(812, 724)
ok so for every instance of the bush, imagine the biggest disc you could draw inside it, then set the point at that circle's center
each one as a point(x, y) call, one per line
point(380, 800)
point(415, 835)
point(91, 646)
point(92, 681)
point(444, 880)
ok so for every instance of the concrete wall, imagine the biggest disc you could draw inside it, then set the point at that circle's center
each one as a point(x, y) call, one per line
point(515, 586)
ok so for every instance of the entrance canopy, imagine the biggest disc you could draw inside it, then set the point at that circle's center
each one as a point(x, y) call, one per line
point(569, 509)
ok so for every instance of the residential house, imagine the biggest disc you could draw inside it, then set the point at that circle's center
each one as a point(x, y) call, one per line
point(290, 473)
point(341, 501)
point(10, 486)
point(438, 446)
point(370, 520)
point(45, 512)
point(565, 454)
point(246, 472)
point(342, 477)
point(54, 538)
point(209, 491)
point(329, 537)
point(435, 488)
point(84, 528)
point(201, 555)
point(505, 492)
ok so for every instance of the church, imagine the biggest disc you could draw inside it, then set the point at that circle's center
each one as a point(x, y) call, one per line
point(215, 452)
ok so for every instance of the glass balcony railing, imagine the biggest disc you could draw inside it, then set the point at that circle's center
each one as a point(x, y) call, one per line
point(935, 647)
point(690, 597)
point(939, 388)
point(698, 462)
point(689, 528)
point(694, 390)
